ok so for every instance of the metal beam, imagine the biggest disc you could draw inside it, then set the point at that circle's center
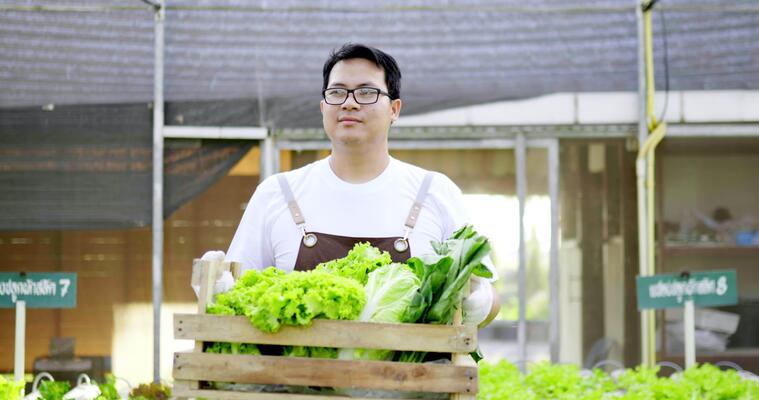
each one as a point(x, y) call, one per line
point(214, 132)
point(474, 133)
point(553, 272)
point(430, 144)
point(158, 189)
point(269, 157)
point(521, 167)
point(713, 130)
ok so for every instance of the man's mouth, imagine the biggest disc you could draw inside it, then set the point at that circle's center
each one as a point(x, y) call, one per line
point(348, 120)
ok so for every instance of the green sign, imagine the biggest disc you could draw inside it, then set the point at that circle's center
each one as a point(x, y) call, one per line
point(38, 290)
point(712, 288)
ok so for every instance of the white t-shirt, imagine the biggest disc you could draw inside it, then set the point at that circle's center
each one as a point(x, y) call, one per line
point(268, 236)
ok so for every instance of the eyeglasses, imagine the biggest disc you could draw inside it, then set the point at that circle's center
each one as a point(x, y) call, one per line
point(362, 95)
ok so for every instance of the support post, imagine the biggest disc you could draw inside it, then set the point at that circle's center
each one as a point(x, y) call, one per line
point(690, 331)
point(553, 275)
point(521, 160)
point(158, 189)
point(269, 157)
point(647, 317)
point(18, 365)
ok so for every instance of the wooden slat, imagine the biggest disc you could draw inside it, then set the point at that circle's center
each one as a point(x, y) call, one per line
point(327, 333)
point(463, 359)
point(384, 375)
point(230, 395)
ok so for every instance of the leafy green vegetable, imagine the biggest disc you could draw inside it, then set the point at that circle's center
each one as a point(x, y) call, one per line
point(233, 348)
point(108, 389)
point(150, 391)
point(307, 351)
point(444, 276)
point(53, 390)
point(360, 261)
point(503, 381)
point(467, 249)
point(10, 389)
point(389, 291)
point(551, 381)
point(271, 298)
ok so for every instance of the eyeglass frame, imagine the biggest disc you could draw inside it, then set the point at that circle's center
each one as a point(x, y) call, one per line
point(350, 92)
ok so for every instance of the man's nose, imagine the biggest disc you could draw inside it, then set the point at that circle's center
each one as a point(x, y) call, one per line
point(351, 103)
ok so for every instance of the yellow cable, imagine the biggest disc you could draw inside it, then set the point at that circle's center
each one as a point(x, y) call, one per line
point(648, 153)
point(649, 58)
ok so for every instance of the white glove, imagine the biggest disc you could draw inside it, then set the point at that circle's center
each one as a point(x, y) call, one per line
point(479, 302)
point(225, 282)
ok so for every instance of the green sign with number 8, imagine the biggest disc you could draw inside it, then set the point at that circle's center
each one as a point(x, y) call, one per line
point(707, 288)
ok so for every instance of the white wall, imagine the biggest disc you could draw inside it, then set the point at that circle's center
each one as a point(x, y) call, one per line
point(597, 108)
point(570, 303)
point(132, 353)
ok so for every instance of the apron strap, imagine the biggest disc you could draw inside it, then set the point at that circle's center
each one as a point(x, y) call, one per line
point(292, 205)
point(416, 208)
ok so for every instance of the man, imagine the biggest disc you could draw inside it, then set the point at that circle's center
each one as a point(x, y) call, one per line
point(298, 219)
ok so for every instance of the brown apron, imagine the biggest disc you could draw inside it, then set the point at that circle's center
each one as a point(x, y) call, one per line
point(317, 247)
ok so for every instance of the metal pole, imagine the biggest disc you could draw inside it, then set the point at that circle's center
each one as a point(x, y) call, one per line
point(19, 364)
point(553, 277)
point(521, 160)
point(269, 157)
point(690, 331)
point(646, 316)
point(158, 189)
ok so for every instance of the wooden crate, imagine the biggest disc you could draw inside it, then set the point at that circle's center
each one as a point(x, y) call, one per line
point(460, 378)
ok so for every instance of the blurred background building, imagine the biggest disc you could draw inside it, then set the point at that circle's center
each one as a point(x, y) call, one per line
point(530, 108)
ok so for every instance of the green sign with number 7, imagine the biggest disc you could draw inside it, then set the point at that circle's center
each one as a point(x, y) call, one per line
point(38, 289)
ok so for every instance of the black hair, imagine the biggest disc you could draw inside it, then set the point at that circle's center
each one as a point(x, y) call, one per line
point(377, 56)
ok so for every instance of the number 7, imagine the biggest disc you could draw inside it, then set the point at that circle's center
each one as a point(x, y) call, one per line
point(65, 283)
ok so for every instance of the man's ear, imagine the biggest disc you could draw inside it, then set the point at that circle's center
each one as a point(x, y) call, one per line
point(395, 109)
point(321, 106)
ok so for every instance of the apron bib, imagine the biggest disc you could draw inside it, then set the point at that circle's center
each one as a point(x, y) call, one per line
point(318, 247)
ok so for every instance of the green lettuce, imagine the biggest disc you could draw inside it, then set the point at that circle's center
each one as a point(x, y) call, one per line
point(53, 390)
point(389, 291)
point(360, 261)
point(233, 348)
point(503, 381)
point(272, 298)
point(10, 389)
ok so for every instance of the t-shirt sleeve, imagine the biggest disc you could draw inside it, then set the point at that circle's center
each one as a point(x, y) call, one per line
point(251, 244)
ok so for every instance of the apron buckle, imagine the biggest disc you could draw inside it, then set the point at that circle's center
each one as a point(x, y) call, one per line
point(401, 244)
point(309, 239)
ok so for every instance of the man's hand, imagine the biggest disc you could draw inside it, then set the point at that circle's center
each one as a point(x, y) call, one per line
point(225, 281)
point(483, 303)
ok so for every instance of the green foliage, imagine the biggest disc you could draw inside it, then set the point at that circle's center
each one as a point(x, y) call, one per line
point(360, 261)
point(53, 390)
point(389, 291)
point(503, 381)
point(308, 351)
point(108, 389)
point(150, 391)
point(443, 277)
point(10, 389)
point(566, 381)
point(271, 298)
point(233, 348)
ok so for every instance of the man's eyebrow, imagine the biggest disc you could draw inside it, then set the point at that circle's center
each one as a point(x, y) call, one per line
point(365, 84)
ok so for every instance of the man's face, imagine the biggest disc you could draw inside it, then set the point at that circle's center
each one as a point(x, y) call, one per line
point(350, 123)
